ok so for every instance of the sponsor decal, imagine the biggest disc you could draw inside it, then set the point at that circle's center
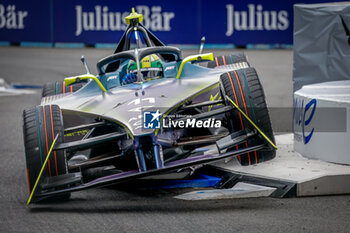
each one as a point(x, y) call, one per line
point(169, 68)
point(302, 118)
point(309, 107)
point(112, 77)
point(213, 98)
point(76, 133)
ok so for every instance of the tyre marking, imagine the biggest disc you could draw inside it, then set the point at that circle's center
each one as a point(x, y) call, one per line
point(246, 111)
point(216, 60)
point(231, 59)
point(56, 88)
point(240, 115)
point(252, 106)
point(63, 88)
point(47, 142)
point(71, 89)
point(37, 123)
point(223, 59)
point(240, 88)
point(53, 138)
point(234, 92)
point(30, 190)
point(250, 96)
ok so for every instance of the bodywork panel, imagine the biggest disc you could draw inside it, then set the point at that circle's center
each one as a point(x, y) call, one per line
point(125, 104)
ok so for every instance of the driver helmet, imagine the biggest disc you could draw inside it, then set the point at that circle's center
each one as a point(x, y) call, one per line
point(150, 67)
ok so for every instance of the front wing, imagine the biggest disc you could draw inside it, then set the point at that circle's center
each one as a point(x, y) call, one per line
point(135, 174)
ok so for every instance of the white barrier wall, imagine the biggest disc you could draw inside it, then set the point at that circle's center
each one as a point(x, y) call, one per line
point(321, 121)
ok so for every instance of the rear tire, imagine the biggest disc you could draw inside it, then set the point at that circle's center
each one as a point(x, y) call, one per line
point(228, 59)
point(56, 88)
point(244, 88)
point(40, 126)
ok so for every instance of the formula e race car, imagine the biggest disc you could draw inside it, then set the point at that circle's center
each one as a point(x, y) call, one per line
point(147, 113)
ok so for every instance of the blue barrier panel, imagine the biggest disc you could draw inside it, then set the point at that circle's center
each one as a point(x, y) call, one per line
point(174, 22)
point(25, 21)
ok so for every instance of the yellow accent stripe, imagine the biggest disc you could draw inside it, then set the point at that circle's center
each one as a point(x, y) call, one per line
point(71, 80)
point(203, 57)
point(255, 126)
point(41, 171)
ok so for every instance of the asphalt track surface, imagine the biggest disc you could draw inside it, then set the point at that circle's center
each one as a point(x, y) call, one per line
point(115, 210)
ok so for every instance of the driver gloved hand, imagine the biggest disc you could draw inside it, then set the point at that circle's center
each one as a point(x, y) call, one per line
point(128, 78)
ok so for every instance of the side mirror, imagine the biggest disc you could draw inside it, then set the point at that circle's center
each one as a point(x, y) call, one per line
point(70, 80)
point(199, 58)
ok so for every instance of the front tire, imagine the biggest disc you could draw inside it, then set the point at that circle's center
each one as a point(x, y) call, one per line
point(244, 88)
point(235, 58)
point(56, 88)
point(40, 126)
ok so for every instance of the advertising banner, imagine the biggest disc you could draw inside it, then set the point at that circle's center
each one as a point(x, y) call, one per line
point(174, 22)
point(102, 21)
